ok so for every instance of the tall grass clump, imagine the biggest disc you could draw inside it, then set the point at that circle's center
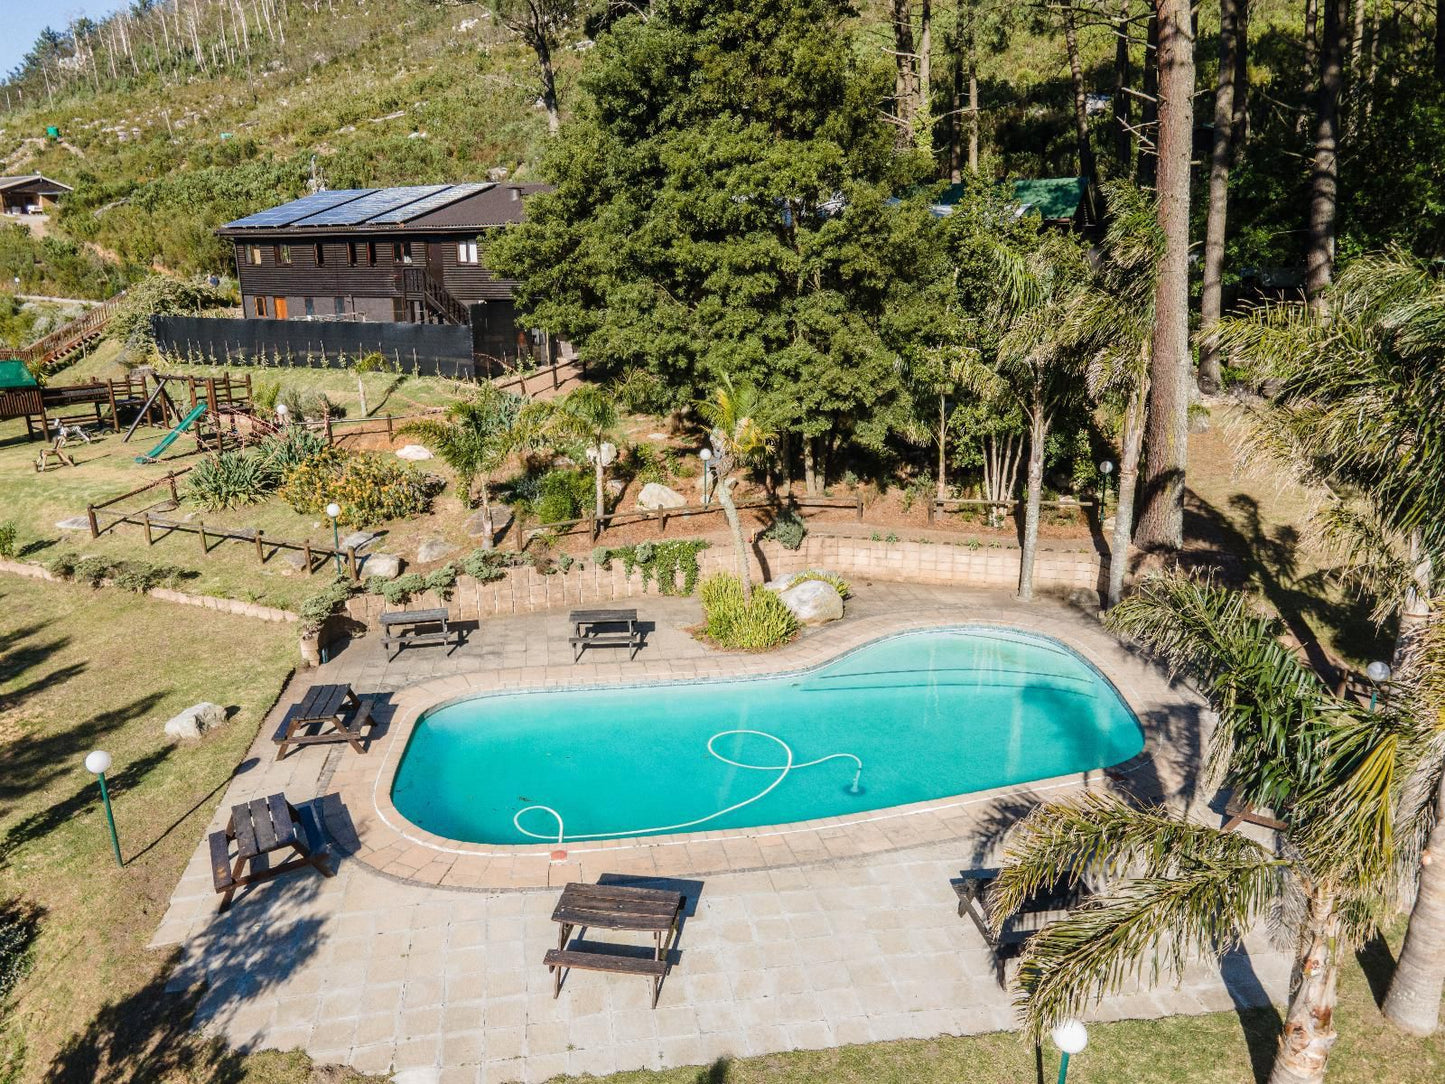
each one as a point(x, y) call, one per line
point(757, 624)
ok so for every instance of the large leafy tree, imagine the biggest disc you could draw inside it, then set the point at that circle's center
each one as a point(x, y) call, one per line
point(722, 207)
point(1170, 888)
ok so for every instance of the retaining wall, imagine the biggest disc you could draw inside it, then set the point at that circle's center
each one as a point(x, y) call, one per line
point(165, 594)
point(524, 590)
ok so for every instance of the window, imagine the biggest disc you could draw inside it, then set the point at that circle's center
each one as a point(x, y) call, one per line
point(310, 305)
point(351, 253)
point(320, 254)
point(371, 253)
point(260, 306)
point(466, 252)
point(283, 255)
point(401, 251)
point(253, 255)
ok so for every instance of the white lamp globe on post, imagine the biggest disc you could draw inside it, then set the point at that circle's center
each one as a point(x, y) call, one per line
point(281, 414)
point(98, 762)
point(1070, 1036)
point(1106, 468)
point(1378, 673)
point(332, 511)
point(706, 456)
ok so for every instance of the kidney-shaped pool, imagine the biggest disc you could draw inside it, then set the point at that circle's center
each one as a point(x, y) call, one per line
point(911, 718)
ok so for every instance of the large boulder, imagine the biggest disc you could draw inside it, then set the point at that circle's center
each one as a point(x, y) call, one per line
point(414, 452)
point(381, 564)
point(195, 721)
point(813, 602)
point(655, 495)
point(359, 540)
point(74, 523)
point(434, 549)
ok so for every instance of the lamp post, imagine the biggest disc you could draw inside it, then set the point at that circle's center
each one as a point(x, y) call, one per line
point(1070, 1036)
point(1106, 468)
point(333, 510)
point(281, 413)
point(1378, 673)
point(706, 456)
point(98, 763)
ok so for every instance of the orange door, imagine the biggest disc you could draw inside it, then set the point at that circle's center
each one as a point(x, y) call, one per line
point(280, 308)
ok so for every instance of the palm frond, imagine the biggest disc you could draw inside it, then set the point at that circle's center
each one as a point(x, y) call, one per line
point(1372, 558)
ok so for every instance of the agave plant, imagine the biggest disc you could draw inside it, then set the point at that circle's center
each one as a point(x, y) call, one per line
point(1337, 774)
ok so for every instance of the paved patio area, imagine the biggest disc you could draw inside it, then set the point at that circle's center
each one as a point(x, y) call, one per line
point(447, 982)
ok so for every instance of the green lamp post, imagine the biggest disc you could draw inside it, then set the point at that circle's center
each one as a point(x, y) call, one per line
point(333, 510)
point(1070, 1036)
point(98, 763)
point(1378, 673)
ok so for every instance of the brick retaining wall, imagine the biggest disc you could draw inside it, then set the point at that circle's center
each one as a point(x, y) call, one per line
point(524, 590)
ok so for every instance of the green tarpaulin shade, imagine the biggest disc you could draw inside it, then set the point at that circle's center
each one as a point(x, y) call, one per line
point(1054, 198)
point(15, 374)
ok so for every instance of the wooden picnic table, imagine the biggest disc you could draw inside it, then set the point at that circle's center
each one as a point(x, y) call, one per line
point(402, 628)
point(259, 827)
point(600, 628)
point(322, 712)
point(1048, 905)
point(616, 907)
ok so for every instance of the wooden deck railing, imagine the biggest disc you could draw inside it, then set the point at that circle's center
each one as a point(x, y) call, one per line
point(71, 336)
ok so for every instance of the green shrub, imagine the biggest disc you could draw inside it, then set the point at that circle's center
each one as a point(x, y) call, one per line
point(399, 590)
point(564, 495)
point(288, 449)
point(8, 533)
point(137, 576)
point(92, 570)
point(787, 529)
point(264, 393)
point(661, 562)
point(648, 463)
point(317, 608)
point(369, 488)
point(312, 405)
point(19, 926)
point(838, 583)
point(231, 480)
point(62, 565)
point(442, 580)
point(759, 624)
point(485, 566)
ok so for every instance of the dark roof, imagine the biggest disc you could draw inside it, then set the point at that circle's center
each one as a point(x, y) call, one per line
point(33, 180)
point(374, 210)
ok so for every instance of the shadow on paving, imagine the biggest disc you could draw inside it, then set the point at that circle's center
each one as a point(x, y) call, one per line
point(148, 1035)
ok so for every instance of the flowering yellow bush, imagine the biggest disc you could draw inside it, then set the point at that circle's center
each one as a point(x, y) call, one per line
point(369, 488)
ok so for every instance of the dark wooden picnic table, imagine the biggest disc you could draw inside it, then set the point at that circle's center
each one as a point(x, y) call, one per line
point(616, 907)
point(259, 827)
point(604, 628)
point(320, 718)
point(1048, 905)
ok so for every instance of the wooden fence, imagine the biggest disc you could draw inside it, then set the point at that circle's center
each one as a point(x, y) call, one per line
point(661, 515)
point(70, 337)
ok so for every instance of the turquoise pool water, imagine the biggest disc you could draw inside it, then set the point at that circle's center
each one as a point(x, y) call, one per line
point(914, 717)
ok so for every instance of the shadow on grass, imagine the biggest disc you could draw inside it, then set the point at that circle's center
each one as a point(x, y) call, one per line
point(1258, 1018)
point(1378, 963)
point(716, 1073)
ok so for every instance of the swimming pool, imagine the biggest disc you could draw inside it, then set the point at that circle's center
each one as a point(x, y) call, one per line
point(911, 718)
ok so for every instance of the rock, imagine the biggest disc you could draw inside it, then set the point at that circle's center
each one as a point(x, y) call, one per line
point(294, 560)
point(615, 487)
point(1199, 421)
point(358, 540)
point(656, 436)
point(782, 583)
point(655, 495)
point(434, 549)
point(477, 526)
point(813, 602)
point(74, 523)
point(195, 721)
point(415, 452)
point(381, 564)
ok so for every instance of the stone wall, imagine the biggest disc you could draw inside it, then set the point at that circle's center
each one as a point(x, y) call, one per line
point(524, 590)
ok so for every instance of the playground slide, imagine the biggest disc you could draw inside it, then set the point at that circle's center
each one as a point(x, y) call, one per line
point(170, 438)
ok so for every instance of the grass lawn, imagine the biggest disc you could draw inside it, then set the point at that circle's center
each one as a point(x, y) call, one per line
point(79, 670)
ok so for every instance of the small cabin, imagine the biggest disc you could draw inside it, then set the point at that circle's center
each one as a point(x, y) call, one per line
point(30, 195)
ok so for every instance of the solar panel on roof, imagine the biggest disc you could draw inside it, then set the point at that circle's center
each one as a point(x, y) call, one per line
point(449, 195)
point(367, 207)
point(288, 213)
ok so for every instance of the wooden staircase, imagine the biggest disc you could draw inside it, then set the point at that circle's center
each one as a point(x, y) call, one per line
point(68, 338)
point(421, 287)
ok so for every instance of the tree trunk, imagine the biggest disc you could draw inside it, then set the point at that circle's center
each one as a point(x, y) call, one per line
point(489, 532)
point(1081, 104)
point(1309, 1032)
point(1440, 40)
point(1324, 179)
point(1211, 298)
point(972, 113)
point(1161, 526)
point(600, 472)
point(549, 85)
point(810, 467)
point(1123, 137)
point(942, 447)
point(740, 549)
point(904, 58)
point(1241, 84)
point(1415, 612)
point(1312, 38)
point(1038, 434)
point(1413, 1001)
point(955, 102)
point(1131, 442)
point(1148, 164)
point(923, 118)
point(361, 394)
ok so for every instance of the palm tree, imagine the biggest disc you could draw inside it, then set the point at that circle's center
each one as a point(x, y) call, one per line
point(1360, 412)
point(1114, 323)
point(588, 413)
point(741, 431)
point(1035, 361)
point(476, 438)
point(1336, 773)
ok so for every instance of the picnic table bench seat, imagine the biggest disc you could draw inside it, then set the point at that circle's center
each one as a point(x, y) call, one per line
point(320, 718)
point(257, 828)
point(604, 628)
point(1047, 906)
point(403, 628)
point(616, 907)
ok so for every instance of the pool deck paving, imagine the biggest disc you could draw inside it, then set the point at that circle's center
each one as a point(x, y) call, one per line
point(833, 933)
